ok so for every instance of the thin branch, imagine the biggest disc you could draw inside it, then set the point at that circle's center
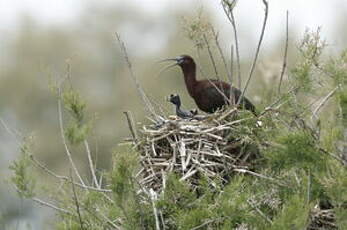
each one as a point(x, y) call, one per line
point(211, 57)
point(341, 160)
point(91, 165)
point(231, 61)
point(259, 175)
point(11, 132)
point(131, 125)
point(257, 51)
point(205, 223)
point(211, 82)
point(76, 202)
point(284, 66)
point(215, 35)
point(270, 107)
point(110, 222)
point(44, 203)
point(62, 132)
point(64, 178)
point(219, 90)
point(323, 102)
point(232, 93)
point(259, 211)
point(145, 100)
point(228, 9)
point(155, 212)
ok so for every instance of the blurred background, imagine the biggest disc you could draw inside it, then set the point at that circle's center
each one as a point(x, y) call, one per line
point(39, 38)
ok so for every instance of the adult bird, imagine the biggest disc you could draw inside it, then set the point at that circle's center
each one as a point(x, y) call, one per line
point(209, 95)
point(176, 100)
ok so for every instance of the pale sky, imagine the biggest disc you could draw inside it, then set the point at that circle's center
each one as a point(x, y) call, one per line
point(303, 13)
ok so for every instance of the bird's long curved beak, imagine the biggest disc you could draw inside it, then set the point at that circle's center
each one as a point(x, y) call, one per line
point(168, 59)
point(169, 66)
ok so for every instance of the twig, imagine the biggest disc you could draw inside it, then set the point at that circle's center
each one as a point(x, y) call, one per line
point(257, 51)
point(284, 66)
point(219, 90)
point(145, 100)
point(228, 9)
point(91, 165)
point(44, 203)
point(131, 125)
point(341, 160)
point(155, 212)
point(44, 168)
point(215, 35)
point(211, 57)
point(259, 211)
point(205, 223)
point(258, 175)
point(110, 222)
point(309, 188)
point(322, 103)
point(231, 62)
point(62, 132)
point(11, 132)
point(270, 107)
point(76, 202)
point(232, 93)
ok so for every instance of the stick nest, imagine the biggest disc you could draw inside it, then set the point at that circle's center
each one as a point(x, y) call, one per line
point(213, 146)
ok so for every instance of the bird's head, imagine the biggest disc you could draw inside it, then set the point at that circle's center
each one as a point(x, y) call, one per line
point(184, 61)
point(175, 99)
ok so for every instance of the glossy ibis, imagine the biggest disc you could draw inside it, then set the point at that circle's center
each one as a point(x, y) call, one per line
point(204, 92)
point(175, 99)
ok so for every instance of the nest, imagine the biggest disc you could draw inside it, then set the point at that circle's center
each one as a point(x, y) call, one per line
point(322, 219)
point(215, 147)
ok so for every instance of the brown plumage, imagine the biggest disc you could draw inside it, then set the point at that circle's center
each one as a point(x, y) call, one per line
point(204, 92)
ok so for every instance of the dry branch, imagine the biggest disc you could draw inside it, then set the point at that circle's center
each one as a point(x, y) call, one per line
point(257, 51)
point(284, 66)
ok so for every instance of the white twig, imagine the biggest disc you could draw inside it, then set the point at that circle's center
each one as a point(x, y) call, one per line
point(44, 203)
point(322, 103)
point(91, 165)
point(258, 175)
point(155, 212)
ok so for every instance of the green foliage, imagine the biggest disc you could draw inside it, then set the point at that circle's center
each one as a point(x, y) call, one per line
point(343, 106)
point(197, 29)
point(341, 217)
point(294, 215)
point(78, 129)
point(311, 48)
point(22, 177)
point(296, 150)
point(335, 184)
point(124, 188)
point(76, 133)
point(74, 104)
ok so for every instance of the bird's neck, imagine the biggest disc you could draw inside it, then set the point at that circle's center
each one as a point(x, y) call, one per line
point(190, 79)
